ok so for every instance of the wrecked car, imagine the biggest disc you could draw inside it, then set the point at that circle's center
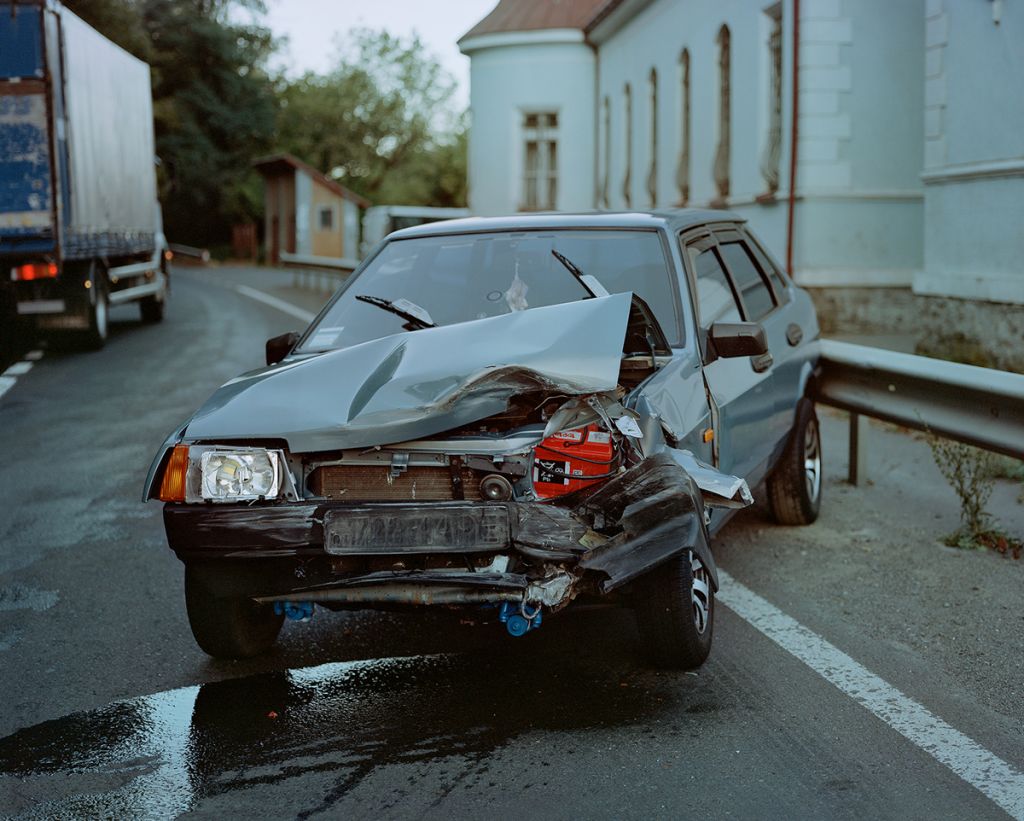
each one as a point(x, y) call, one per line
point(506, 417)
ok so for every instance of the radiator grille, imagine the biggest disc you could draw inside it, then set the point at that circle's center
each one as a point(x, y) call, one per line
point(373, 483)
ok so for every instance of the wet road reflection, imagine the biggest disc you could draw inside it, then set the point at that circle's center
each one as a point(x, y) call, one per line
point(164, 754)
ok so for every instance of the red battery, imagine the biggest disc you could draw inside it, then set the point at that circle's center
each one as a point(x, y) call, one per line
point(562, 463)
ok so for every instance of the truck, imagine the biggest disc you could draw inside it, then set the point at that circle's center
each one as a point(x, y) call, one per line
point(80, 226)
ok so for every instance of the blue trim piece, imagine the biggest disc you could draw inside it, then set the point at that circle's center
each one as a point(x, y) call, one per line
point(21, 41)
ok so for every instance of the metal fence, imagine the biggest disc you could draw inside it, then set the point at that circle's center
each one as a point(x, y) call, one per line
point(978, 406)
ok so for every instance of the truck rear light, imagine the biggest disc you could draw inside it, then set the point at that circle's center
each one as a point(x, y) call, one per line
point(572, 460)
point(35, 270)
point(172, 486)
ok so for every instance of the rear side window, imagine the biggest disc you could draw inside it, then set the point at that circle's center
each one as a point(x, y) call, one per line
point(757, 299)
point(778, 283)
point(715, 300)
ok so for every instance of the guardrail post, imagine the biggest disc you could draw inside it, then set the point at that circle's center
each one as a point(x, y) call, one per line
point(858, 471)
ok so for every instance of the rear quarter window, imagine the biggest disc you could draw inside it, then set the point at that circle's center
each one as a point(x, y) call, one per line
point(757, 299)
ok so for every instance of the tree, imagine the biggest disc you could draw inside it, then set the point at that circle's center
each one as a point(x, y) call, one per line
point(380, 123)
point(213, 103)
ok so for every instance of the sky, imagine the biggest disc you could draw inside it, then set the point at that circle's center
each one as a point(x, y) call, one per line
point(312, 25)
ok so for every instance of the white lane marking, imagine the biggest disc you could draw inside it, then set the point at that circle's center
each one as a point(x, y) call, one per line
point(274, 302)
point(34, 356)
point(980, 768)
point(6, 383)
point(18, 368)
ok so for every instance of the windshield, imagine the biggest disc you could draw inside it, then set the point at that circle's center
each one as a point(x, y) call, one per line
point(463, 277)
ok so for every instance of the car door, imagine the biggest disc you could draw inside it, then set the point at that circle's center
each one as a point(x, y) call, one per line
point(764, 301)
point(739, 389)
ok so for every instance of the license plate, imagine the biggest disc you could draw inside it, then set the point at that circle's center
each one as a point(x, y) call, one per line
point(394, 529)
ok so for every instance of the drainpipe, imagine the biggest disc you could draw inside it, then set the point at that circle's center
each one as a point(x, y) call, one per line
point(794, 133)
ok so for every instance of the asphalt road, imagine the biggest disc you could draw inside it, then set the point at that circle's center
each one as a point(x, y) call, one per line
point(860, 668)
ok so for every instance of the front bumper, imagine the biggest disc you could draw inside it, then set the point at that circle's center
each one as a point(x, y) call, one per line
point(422, 553)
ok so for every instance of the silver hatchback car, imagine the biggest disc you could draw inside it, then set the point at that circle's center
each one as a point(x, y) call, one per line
point(503, 417)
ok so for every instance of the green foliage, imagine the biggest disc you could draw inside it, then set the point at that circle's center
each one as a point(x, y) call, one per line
point(379, 122)
point(972, 472)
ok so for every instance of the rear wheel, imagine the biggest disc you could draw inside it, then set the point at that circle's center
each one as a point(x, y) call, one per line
point(794, 487)
point(227, 626)
point(152, 309)
point(95, 336)
point(675, 612)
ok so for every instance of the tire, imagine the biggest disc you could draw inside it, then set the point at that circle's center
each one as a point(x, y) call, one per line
point(227, 627)
point(99, 314)
point(675, 613)
point(795, 485)
point(152, 309)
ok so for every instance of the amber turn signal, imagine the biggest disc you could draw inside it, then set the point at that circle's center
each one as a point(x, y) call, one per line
point(172, 488)
point(709, 434)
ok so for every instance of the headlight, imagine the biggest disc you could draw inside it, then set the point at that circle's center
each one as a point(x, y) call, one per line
point(239, 474)
point(215, 473)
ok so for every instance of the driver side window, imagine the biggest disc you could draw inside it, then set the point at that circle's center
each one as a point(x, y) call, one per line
point(715, 299)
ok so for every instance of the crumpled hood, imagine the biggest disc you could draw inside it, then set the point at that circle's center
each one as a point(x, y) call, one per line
point(421, 383)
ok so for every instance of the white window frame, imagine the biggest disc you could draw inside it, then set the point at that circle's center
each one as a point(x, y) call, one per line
point(545, 176)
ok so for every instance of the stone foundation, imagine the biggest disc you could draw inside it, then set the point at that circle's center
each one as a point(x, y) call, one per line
point(988, 334)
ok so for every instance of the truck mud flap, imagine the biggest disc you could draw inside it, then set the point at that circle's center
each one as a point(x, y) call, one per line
point(661, 514)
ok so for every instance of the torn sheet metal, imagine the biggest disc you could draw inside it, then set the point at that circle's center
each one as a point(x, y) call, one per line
point(417, 384)
point(719, 489)
point(661, 513)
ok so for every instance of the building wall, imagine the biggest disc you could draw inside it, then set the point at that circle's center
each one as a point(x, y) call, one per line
point(858, 219)
point(974, 151)
point(327, 242)
point(510, 76)
point(278, 213)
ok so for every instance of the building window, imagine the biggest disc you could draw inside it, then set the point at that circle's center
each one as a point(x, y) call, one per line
point(773, 138)
point(326, 218)
point(722, 159)
point(627, 179)
point(652, 173)
point(683, 169)
point(605, 197)
point(540, 165)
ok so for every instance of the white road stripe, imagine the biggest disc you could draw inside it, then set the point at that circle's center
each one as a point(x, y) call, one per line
point(6, 383)
point(274, 302)
point(34, 356)
point(18, 368)
point(995, 778)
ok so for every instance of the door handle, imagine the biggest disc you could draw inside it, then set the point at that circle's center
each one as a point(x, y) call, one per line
point(794, 333)
point(761, 363)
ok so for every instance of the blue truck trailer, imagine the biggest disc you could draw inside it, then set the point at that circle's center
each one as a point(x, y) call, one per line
point(80, 227)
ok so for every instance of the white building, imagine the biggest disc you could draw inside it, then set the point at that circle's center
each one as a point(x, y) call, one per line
point(909, 124)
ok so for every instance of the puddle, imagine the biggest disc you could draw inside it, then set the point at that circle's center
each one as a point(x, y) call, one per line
point(161, 755)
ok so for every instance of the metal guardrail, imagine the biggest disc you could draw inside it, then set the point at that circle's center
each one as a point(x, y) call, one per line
point(978, 406)
point(344, 265)
point(179, 250)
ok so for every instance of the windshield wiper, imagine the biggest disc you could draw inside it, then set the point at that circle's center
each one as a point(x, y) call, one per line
point(416, 318)
point(589, 283)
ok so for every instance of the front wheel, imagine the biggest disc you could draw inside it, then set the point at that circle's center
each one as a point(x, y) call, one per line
point(675, 612)
point(230, 626)
point(794, 486)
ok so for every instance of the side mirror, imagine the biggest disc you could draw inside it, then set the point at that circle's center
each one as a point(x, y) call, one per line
point(729, 339)
point(280, 346)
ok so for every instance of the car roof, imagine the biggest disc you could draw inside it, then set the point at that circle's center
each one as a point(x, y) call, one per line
point(675, 219)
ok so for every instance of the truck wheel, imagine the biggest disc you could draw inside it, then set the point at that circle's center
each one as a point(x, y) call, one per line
point(152, 309)
point(794, 486)
point(675, 612)
point(99, 315)
point(227, 627)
